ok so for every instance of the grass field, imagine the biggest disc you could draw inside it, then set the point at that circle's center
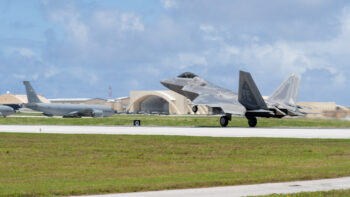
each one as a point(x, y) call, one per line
point(156, 120)
point(27, 114)
point(332, 193)
point(53, 164)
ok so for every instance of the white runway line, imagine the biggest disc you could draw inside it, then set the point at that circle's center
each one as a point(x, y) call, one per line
point(184, 131)
point(245, 190)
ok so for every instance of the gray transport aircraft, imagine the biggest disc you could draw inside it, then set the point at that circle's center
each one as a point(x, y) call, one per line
point(6, 110)
point(62, 109)
point(248, 102)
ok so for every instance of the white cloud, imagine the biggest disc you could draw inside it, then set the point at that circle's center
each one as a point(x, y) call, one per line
point(227, 54)
point(114, 20)
point(50, 72)
point(207, 28)
point(279, 58)
point(28, 76)
point(25, 52)
point(206, 37)
point(339, 80)
point(68, 16)
point(211, 33)
point(169, 3)
point(19, 76)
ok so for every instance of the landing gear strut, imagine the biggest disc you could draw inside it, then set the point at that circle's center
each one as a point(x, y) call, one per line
point(195, 108)
point(252, 121)
point(224, 120)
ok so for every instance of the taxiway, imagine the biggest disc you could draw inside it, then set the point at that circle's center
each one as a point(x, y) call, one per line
point(184, 131)
point(245, 190)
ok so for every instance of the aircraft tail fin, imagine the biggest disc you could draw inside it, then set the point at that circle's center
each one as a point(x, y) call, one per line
point(31, 95)
point(248, 94)
point(287, 92)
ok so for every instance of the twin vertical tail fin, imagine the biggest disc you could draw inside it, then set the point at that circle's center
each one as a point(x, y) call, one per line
point(287, 92)
point(31, 95)
point(248, 94)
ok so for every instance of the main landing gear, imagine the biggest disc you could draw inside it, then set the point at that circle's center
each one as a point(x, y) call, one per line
point(252, 121)
point(224, 120)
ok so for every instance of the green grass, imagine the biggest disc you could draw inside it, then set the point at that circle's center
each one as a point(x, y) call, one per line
point(27, 114)
point(332, 193)
point(54, 164)
point(199, 121)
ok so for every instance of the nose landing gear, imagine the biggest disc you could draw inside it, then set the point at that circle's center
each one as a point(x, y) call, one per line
point(225, 119)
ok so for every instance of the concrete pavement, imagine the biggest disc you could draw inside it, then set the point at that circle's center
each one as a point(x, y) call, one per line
point(246, 190)
point(184, 131)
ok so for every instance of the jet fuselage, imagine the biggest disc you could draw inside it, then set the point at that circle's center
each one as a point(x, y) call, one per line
point(71, 110)
point(6, 110)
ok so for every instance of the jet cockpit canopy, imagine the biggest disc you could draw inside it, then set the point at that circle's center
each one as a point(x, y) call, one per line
point(187, 75)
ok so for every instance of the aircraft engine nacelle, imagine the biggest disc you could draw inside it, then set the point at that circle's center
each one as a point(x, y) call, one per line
point(97, 113)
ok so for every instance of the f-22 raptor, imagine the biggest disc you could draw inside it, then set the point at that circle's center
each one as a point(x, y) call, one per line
point(63, 109)
point(248, 102)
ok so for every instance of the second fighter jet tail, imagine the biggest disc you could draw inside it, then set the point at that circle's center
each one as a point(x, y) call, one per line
point(287, 92)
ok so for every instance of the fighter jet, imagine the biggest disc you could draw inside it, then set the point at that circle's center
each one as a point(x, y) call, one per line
point(65, 110)
point(248, 102)
point(6, 111)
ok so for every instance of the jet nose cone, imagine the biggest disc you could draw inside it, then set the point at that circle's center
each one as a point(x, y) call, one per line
point(166, 82)
point(173, 84)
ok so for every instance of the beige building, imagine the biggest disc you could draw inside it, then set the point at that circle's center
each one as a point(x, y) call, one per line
point(324, 110)
point(121, 104)
point(165, 101)
point(18, 99)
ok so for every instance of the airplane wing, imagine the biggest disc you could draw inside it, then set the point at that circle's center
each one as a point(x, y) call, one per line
point(85, 112)
point(228, 106)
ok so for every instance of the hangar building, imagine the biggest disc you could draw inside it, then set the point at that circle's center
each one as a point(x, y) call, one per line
point(163, 102)
point(18, 99)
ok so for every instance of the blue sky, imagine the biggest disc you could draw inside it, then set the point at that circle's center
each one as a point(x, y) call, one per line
point(80, 48)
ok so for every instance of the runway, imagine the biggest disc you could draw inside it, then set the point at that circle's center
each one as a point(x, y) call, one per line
point(246, 190)
point(184, 131)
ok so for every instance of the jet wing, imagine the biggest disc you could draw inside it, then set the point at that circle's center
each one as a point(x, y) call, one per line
point(228, 106)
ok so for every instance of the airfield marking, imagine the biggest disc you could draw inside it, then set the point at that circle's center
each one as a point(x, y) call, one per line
point(184, 131)
point(246, 190)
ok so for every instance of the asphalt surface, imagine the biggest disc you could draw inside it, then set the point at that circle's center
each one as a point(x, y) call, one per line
point(184, 131)
point(246, 190)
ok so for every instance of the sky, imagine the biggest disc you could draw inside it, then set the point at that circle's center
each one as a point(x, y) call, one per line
point(80, 48)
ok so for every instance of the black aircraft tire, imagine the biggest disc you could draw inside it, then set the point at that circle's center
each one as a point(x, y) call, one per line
point(195, 108)
point(223, 121)
point(137, 123)
point(252, 121)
